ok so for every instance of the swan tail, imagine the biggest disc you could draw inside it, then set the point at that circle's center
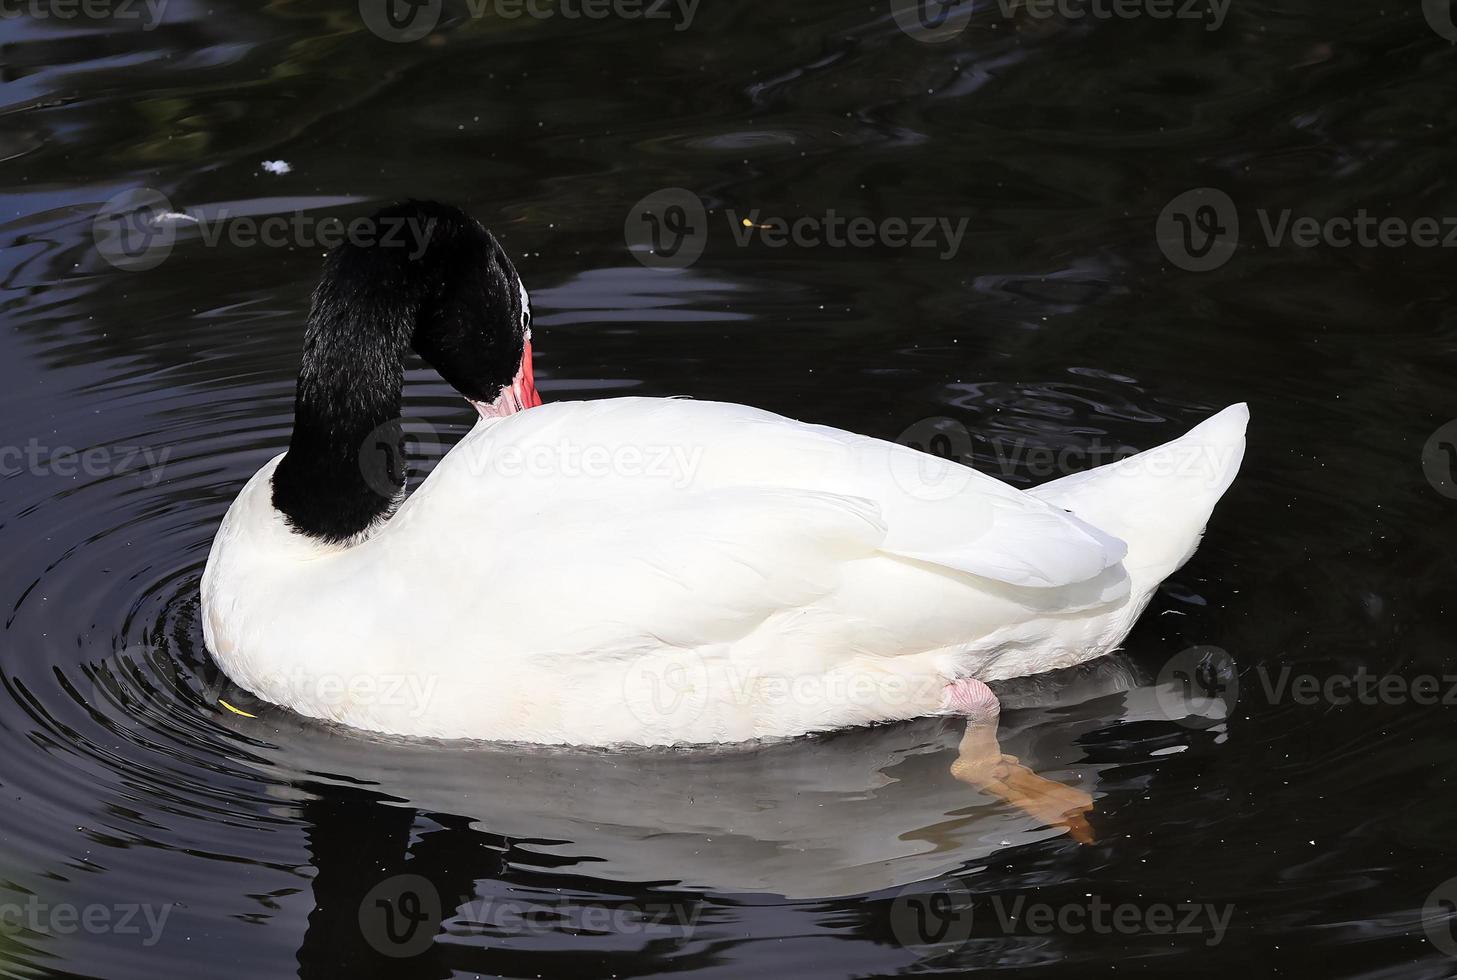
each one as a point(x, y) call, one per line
point(1158, 501)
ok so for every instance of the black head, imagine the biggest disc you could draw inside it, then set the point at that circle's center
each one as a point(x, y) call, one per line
point(470, 274)
point(428, 276)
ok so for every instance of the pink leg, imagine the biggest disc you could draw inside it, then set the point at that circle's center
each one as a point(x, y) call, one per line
point(972, 698)
point(980, 762)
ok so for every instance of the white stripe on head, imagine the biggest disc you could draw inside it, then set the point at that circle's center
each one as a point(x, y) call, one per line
point(525, 308)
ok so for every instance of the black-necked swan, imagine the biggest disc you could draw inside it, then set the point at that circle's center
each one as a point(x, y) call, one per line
point(651, 571)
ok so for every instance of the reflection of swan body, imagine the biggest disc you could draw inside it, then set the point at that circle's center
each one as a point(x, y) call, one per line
point(846, 813)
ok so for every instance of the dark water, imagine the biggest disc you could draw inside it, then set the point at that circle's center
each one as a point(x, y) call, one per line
point(1299, 835)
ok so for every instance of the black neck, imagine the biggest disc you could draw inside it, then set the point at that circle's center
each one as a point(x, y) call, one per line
point(453, 301)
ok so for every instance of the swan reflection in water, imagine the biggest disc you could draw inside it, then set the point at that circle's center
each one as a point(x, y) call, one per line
point(473, 839)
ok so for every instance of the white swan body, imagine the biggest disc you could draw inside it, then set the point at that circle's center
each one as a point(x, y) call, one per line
point(661, 571)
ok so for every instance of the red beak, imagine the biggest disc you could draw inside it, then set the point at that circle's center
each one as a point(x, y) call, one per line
point(516, 397)
point(526, 380)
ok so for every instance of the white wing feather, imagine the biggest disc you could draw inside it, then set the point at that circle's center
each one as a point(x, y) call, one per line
point(936, 512)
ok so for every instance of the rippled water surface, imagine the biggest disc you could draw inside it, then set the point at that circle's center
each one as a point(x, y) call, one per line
point(200, 841)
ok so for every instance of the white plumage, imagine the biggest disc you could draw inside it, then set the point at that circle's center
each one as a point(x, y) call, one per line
point(658, 571)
